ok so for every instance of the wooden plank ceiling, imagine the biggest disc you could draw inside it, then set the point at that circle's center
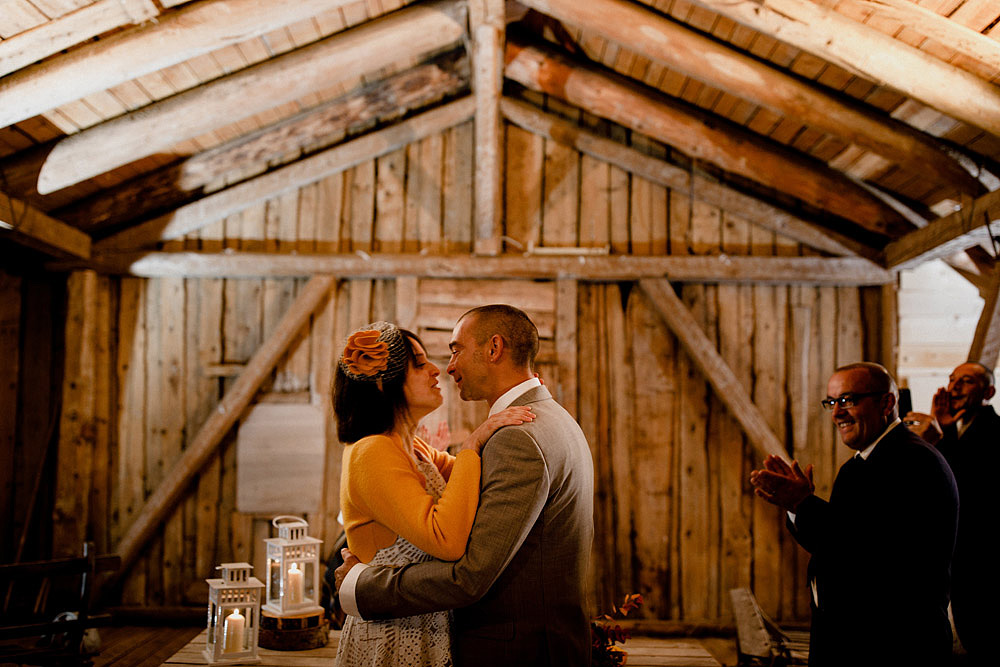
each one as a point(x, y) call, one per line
point(873, 124)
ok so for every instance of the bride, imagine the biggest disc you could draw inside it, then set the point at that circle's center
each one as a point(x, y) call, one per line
point(402, 500)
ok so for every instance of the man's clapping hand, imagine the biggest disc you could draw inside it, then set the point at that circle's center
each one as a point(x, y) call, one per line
point(782, 484)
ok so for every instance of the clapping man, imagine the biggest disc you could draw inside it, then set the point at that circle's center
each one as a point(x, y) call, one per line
point(882, 544)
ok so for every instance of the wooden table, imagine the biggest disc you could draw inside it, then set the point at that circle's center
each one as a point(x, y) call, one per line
point(642, 652)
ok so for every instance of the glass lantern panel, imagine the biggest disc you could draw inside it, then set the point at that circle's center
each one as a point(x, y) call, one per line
point(273, 581)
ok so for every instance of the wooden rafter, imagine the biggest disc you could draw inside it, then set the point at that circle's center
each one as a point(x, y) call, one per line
point(487, 24)
point(702, 351)
point(871, 54)
point(724, 145)
point(695, 268)
point(199, 28)
point(397, 37)
point(196, 215)
point(68, 30)
point(203, 445)
point(940, 28)
point(312, 130)
point(29, 226)
point(679, 48)
point(702, 189)
point(953, 233)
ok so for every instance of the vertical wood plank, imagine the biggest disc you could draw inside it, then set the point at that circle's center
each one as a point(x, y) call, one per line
point(389, 190)
point(458, 188)
point(770, 396)
point(523, 188)
point(204, 326)
point(696, 558)
point(566, 343)
point(429, 211)
point(129, 492)
point(362, 206)
point(621, 401)
point(76, 423)
point(10, 333)
point(561, 192)
point(100, 498)
point(653, 357)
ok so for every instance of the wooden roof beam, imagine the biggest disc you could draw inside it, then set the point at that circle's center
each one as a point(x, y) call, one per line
point(871, 55)
point(602, 268)
point(207, 210)
point(176, 36)
point(681, 49)
point(306, 133)
point(703, 137)
point(487, 24)
point(940, 28)
point(68, 30)
point(702, 351)
point(28, 226)
point(953, 233)
point(403, 35)
point(663, 173)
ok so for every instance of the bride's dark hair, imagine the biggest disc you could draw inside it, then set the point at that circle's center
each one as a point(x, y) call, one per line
point(362, 408)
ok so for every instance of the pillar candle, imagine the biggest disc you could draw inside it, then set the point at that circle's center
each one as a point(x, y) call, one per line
point(295, 584)
point(233, 630)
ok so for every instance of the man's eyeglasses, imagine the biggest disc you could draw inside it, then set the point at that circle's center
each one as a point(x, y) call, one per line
point(848, 400)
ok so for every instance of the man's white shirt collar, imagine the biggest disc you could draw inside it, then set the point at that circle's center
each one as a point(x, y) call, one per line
point(867, 451)
point(513, 394)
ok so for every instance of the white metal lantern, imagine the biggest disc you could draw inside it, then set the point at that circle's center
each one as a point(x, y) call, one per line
point(233, 615)
point(293, 584)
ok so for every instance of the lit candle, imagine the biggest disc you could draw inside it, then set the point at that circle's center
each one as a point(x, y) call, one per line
point(295, 584)
point(233, 630)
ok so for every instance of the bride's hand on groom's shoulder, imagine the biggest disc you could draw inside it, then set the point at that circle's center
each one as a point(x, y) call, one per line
point(517, 414)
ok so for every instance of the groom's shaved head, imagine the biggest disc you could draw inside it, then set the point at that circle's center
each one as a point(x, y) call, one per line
point(519, 333)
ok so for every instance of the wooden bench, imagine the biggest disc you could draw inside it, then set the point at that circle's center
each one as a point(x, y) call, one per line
point(759, 640)
point(50, 641)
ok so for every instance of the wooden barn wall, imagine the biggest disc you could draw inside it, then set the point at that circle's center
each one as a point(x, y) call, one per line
point(31, 366)
point(149, 359)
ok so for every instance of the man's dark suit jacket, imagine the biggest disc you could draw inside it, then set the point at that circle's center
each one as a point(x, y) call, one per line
point(519, 591)
point(975, 590)
point(881, 555)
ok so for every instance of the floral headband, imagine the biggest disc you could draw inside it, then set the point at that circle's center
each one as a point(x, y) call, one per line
point(374, 353)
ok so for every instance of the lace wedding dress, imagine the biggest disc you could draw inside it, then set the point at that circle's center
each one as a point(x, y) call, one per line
point(412, 641)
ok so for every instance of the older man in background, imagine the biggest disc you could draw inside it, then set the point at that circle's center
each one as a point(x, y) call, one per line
point(966, 430)
point(882, 545)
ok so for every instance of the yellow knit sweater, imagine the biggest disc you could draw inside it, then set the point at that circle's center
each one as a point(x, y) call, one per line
point(382, 495)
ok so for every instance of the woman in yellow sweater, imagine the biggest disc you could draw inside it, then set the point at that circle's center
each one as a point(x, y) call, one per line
point(402, 500)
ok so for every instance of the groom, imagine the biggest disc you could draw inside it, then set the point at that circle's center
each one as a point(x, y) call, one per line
point(518, 592)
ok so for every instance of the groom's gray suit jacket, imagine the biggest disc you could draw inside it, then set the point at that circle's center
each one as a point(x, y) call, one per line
point(520, 589)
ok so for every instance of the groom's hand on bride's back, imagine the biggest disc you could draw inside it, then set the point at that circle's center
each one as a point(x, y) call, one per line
point(350, 560)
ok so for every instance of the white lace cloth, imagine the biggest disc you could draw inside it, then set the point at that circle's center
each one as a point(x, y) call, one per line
point(412, 641)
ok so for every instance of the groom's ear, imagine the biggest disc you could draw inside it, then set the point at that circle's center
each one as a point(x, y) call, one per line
point(496, 348)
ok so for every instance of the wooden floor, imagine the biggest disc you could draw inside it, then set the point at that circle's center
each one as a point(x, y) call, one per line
point(141, 646)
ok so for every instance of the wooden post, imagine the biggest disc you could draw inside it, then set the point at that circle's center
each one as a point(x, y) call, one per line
point(986, 343)
point(487, 24)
